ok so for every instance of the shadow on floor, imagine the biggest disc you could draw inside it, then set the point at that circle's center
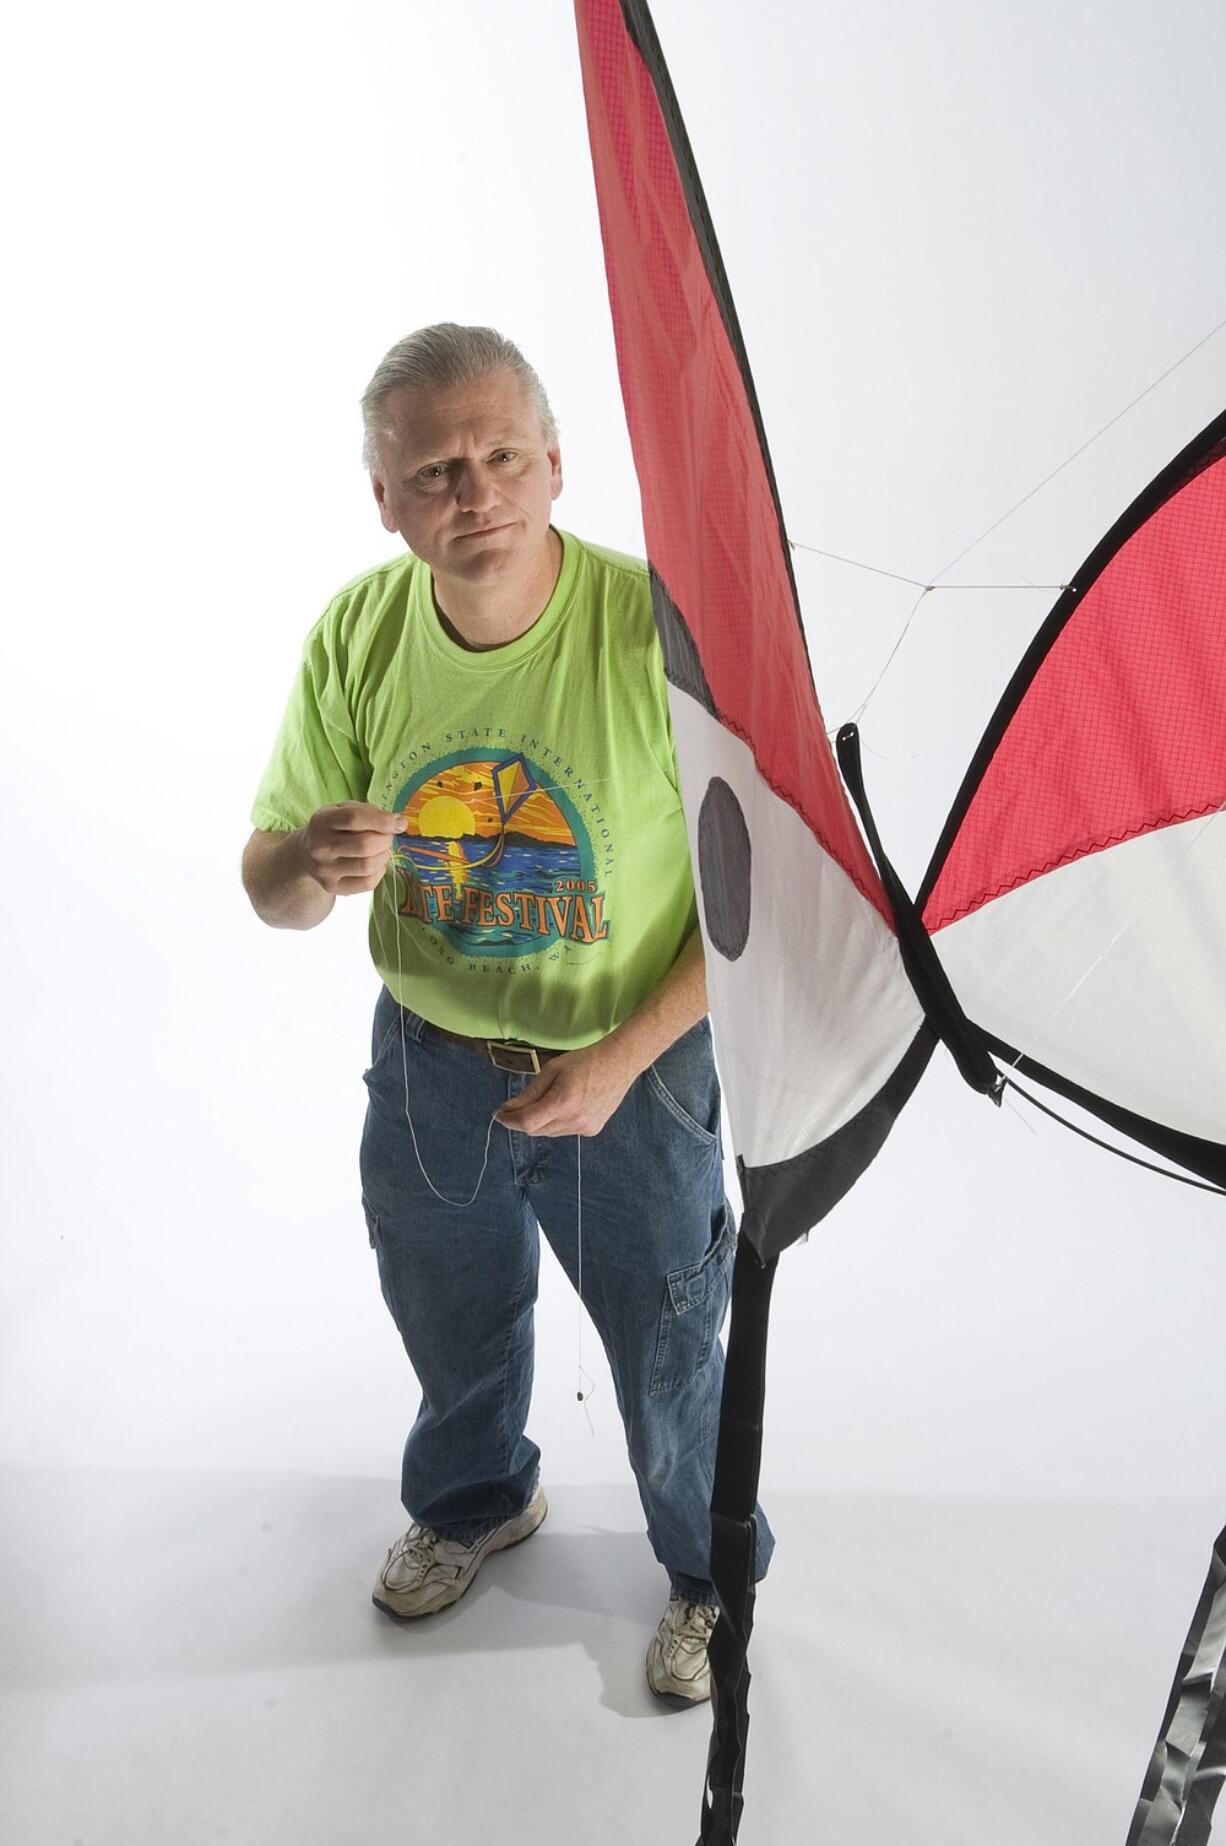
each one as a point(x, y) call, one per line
point(130, 1576)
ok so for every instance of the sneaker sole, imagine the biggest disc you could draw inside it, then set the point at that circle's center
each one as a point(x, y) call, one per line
point(514, 1532)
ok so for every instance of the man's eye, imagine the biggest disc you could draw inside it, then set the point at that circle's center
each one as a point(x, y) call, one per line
point(505, 455)
point(434, 472)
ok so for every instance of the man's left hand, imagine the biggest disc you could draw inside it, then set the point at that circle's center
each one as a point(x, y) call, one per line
point(575, 1093)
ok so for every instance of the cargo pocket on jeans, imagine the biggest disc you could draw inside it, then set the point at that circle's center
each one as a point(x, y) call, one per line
point(694, 1303)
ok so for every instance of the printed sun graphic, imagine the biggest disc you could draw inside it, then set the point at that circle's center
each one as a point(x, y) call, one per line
point(494, 861)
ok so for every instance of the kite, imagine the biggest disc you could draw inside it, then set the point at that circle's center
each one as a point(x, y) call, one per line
point(1086, 850)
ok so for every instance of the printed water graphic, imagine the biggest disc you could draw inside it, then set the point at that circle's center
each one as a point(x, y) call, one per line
point(493, 859)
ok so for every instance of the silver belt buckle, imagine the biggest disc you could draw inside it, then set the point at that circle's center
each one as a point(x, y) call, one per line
point(494, 1045)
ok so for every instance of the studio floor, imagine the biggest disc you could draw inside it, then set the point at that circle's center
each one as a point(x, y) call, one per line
point(194, 1658)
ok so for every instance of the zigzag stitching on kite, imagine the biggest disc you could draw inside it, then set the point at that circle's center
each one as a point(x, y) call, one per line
point(877, 901)
point(1084, 851)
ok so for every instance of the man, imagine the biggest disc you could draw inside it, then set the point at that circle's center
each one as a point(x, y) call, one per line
point(479, 736)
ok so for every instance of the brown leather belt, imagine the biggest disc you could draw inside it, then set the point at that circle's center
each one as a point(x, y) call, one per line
point(497, 1050)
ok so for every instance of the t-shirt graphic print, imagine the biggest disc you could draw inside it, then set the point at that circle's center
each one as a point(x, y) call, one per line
point(540, 887)
point(494, 859)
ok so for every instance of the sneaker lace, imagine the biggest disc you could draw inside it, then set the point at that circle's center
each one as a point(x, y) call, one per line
point(421, 1544)
point(702, 1615)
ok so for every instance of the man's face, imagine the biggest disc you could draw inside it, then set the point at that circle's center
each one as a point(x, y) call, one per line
point(466, 477)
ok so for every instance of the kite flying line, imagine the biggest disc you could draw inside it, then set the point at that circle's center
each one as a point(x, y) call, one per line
point(584, 1376)
point(459, 1204)
point(1088, 443)
point(581, 1394)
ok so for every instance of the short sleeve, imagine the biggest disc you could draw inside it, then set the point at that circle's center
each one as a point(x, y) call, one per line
point(317, 759)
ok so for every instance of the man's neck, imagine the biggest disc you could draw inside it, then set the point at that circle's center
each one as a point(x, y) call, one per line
point(483, 616)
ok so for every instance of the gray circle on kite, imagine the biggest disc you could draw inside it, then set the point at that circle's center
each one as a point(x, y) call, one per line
point(723, 868)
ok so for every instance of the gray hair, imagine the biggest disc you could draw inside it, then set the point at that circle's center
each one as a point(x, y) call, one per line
point(436, 357)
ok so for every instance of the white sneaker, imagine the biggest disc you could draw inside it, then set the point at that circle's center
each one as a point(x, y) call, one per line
point(425, 1572)
point(677, 1665)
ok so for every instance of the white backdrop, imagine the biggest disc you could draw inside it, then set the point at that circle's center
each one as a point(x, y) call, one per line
point(961, 239)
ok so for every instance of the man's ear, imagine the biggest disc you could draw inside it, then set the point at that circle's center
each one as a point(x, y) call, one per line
point(555, 465)
point(380, 493)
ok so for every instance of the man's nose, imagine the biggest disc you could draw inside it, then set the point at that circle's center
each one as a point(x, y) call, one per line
point(475, 491)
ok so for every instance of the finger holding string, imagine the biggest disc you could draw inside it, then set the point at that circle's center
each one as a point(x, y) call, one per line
point(348, 846)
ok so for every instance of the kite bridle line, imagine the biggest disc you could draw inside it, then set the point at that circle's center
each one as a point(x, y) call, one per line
point(925, 589)
point(917, 583)
point(931, 585)
point(906, 911)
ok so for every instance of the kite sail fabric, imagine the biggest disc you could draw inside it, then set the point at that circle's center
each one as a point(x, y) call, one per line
point(1077, 897)
point(1089, 835)
point(814, 1068)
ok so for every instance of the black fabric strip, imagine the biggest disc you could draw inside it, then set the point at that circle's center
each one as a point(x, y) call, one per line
point(920, 959)
point(1200, 453)
point(785, 1199)
point(682, 662)
point(734, 1539)
point(1185, 1771)
point(1182, 1179)
point(641, 28)
point(1208, 1158)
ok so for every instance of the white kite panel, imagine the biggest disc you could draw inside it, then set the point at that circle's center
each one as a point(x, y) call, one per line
point(1112, 972)
point(800, 1056)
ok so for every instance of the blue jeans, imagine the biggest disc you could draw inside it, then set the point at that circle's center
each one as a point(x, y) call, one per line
point(658, 1242)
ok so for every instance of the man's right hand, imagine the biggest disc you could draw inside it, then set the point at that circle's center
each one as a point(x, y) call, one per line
point(346, 848)
point(293, 879)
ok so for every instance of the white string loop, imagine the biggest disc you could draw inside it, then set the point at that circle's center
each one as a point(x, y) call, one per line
point(583, 1396)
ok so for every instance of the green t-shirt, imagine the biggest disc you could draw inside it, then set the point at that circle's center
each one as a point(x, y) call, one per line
point(541, 888)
